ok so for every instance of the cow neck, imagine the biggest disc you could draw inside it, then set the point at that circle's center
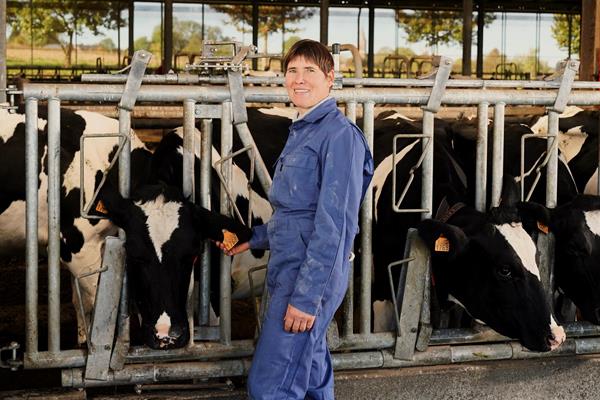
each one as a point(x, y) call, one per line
point(445, 212)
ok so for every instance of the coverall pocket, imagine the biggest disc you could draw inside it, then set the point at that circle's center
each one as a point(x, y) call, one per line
point(299, 180)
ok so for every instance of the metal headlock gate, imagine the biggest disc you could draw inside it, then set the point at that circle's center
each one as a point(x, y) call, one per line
point(118, 364)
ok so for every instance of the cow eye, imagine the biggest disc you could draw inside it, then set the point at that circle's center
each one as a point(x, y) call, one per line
point(504, 272)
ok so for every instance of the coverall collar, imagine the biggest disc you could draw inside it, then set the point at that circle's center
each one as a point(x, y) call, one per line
point(320, 109)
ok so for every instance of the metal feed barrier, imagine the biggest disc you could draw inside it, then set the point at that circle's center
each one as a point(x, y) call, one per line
point(352, 350)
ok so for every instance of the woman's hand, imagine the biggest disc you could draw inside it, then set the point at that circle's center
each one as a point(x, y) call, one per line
point(240, 248)
point(297, 321)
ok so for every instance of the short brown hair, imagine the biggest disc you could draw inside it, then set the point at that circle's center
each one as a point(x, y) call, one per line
point(312, 51)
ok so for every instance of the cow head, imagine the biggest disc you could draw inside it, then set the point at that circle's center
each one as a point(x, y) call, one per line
point(576, 226)
point(163, 238)
point(489, 266)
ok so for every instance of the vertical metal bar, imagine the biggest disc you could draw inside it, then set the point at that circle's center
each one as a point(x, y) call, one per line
point(481, 162)
point(254, 32)
point(205, 183)
point(125, 157)
point(130, 40)
point(498, 154)
point(351, 111)
point(480, 27)
point(168, 36)
point(189, 127)
point(31, 207)
point(2, 50)
point(366, 222)
point(427, 166)
point(467, 36)
point(53, 224)
point(225, 281)
point(552, 167)
point(189, 120)
point(324, 22)
point(371, 55)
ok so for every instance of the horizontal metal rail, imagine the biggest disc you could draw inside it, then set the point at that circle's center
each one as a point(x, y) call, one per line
point(206, 94)
point(377, 82)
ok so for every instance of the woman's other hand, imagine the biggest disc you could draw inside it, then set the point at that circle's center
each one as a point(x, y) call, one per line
point(297, 321)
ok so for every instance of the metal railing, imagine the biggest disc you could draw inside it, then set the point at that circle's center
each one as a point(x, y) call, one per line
point(198, 359)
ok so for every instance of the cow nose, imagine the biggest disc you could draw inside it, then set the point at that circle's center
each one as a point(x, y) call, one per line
point(176, 331)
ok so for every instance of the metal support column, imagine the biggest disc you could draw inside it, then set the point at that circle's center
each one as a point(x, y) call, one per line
point(2, 51)
point(225, 281)
point(205, 183)
point(255, 32)
point(497, 154)
point(188, 185)
point(53, 224)
point(480, 26)
point(130, 38)
point(366, 227)
point(324, 22)
point(167, 59)
point(31, 207)
point(467, 36)
point(481, 161)
point(371, 55)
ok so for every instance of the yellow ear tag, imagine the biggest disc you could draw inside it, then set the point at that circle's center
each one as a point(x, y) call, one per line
point(230, 239)
point(100, 207)
point(442, 245)
point(542, 227)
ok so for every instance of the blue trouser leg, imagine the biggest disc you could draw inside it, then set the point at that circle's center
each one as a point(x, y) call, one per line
point(287, 365)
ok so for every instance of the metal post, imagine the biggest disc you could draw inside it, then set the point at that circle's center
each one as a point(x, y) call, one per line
point(427, 166)
point(498, 154)
point(2, 50)
point(467, 36)
point(130, 38)
point(366, 222)
point(371, 55)
point(480, 26)
point(324, 22)
point(205, 182)
point(552, 167)
point(351, 111)
point(481, 162)
point(31, 206)
point(54, 224)
point(168, 37)
point(254, 32)
point(189, 128)
point(225, 281)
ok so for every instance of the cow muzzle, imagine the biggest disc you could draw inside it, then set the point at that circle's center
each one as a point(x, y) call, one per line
point(167, 335)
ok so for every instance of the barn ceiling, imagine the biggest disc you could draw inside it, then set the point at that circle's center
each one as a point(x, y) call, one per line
point(543, 6)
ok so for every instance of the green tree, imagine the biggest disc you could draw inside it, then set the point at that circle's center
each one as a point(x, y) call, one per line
point(107, 44)
point(271, 19)
point(66, 18)
point(435, 27)
point(560, 31)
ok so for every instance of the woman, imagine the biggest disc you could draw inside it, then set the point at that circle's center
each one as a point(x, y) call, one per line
point(320, 180)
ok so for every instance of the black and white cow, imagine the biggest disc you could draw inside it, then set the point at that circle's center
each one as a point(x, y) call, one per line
point(82, 240)
point(491, 266)
point(578, 142)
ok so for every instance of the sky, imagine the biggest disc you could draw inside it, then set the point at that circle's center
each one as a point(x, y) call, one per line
point(520, 32)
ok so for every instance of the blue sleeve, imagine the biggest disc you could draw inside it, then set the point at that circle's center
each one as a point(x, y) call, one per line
point(260, 237)
point(342, 162)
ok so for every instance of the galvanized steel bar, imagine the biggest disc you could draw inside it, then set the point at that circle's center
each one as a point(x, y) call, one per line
point(31, 206)
point(408, 96)
point(351, 111)
point(481, 161)
point(427, 166)
point(53, 224)
point(185, 78)
point(552, 166)
point(366, 227)
point(497, 154)
point(225, 280)
point(125, 157)
point(205, 184)
point(189, 132)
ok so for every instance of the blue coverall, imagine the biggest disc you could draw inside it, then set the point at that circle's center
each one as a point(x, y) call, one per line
point(320, 180)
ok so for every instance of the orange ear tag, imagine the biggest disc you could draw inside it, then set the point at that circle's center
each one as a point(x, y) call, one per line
point(442, 245)
point(542, 227)
point(100, 207)
point(230, 239)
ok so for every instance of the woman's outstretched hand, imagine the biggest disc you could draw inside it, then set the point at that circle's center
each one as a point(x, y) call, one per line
point(240, 248)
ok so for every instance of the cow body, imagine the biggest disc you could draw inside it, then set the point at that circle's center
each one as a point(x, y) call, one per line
point(490, 268)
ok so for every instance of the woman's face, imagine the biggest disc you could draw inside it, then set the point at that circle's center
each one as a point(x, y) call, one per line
point(306, 84)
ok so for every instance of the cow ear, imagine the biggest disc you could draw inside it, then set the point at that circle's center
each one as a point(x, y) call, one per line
point(534, 216)
point(511, 192)
point(442, 239)
point(210, 224)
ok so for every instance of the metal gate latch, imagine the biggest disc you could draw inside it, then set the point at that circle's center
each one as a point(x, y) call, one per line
point(13, 363)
